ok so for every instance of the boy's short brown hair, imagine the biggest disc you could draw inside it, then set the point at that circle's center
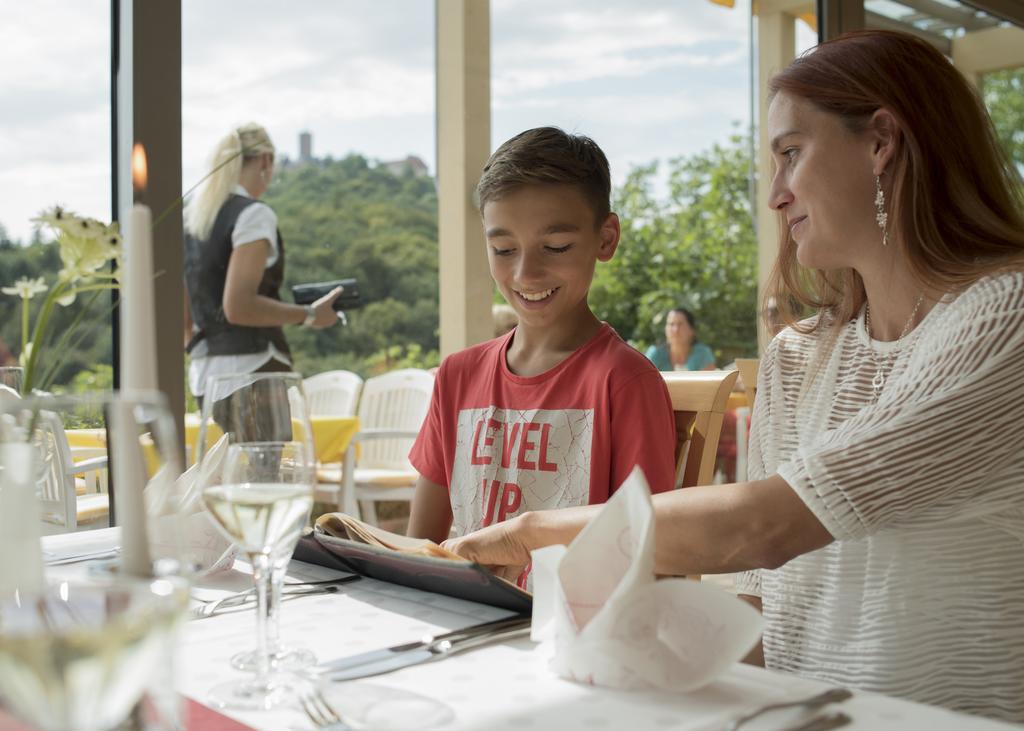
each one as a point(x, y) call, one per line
point(548, 156)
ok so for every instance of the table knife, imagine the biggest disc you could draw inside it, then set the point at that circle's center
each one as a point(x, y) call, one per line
point(429, 649)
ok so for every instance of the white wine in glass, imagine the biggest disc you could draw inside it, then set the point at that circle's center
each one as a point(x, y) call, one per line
point(77, 657)
point(262, 505)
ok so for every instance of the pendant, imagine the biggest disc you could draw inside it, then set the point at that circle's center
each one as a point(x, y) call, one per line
point(877, 382)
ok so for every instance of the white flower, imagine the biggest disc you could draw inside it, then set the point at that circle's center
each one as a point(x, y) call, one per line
point(64, 221)
point(84, 255)
point(26, 288)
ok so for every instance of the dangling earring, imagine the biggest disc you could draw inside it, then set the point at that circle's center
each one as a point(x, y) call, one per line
point(881, 217)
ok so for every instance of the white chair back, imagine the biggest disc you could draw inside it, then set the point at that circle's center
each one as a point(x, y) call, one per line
point(395, 400)
point(332, 393)
point(59, 503)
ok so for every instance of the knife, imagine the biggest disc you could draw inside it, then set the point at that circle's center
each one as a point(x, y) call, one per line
point(429, 649)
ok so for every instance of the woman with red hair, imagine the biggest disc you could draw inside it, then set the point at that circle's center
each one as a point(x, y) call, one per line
point(882, 530)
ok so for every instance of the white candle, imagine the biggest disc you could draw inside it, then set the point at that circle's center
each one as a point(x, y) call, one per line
point(138, 336)
point(130, 480)
point(138, 372)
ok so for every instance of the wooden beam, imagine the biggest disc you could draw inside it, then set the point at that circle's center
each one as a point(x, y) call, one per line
point(149, 111)
point(959, 17)
point(1011, 10)
point(463, 145)
point(989, 50)
point(883, 22)
point(776, 44)
point(839, 16)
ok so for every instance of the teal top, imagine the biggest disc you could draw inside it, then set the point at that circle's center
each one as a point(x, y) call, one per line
point(700, 357)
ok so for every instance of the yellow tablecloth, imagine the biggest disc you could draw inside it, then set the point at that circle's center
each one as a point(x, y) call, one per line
point(331, 435)
point(737, 399)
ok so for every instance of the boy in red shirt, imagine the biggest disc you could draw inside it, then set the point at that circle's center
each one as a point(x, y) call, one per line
point(557, 412)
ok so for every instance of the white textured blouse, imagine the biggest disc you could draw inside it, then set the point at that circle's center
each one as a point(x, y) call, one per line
point(922, 593)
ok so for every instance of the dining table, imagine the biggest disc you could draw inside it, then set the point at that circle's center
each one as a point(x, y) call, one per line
point(505, 686)
point(331, 436)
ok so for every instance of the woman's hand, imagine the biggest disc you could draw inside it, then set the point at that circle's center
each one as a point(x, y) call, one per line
point(325, 314)
point(501, 547)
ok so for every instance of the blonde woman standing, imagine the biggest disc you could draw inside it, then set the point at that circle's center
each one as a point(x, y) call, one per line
point(234, 267)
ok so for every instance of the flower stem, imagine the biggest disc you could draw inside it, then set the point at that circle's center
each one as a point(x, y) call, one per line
point(37, 341)
point(24, 323)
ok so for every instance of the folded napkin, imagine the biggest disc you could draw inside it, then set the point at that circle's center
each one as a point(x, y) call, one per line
point(609, 622)
point(193, 534)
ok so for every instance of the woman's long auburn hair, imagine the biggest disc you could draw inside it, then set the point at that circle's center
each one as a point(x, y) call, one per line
point(956, 204)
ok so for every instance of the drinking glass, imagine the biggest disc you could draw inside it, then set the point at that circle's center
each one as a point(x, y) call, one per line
point(11, 378)
point(78, 656)
point(79, 648)
point(263, 504)
point(255, 407)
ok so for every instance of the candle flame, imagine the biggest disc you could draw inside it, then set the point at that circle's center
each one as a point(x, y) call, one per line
point(139, 172)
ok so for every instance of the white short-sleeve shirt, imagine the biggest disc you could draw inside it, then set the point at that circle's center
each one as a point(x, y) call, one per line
point(257, 222)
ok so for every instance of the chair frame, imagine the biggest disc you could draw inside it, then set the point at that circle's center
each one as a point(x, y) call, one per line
point(356, 499)
point(58, 490)
point(333, 381)
point(698, 399)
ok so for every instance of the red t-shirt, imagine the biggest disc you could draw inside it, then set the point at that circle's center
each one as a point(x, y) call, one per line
point(505, 445)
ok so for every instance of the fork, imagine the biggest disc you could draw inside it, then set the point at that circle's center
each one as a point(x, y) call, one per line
point(321, 713)
point(832, 695)
point(236, 600)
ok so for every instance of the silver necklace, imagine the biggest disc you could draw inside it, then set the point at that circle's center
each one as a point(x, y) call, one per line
point(883, 367)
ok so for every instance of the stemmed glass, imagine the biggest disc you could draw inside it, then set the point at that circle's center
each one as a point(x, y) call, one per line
point(79, 648)
point(263, 504)
point(255, 407)
point(11, 378)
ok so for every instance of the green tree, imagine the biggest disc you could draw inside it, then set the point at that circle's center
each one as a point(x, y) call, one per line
point(1003, 92)
point(346, 218)
point(695, 248)
point(91, 343)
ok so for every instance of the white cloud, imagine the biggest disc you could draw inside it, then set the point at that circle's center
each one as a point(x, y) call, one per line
point(648, 78)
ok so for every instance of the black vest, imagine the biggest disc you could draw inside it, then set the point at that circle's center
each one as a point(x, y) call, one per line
point(206, 269)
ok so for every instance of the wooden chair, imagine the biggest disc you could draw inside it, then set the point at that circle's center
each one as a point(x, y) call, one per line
point(699, 399)
point(748, 372)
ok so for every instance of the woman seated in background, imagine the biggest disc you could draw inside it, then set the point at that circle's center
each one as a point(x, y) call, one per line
point(882, 530)
point(681, 350)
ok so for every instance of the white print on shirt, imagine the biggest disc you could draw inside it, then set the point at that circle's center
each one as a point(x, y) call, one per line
point(508, 462)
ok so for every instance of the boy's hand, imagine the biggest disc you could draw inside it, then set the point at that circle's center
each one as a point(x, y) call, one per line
point(500, 547)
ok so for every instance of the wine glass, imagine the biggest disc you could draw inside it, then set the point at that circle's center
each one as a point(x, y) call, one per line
point(78, 656)
point(254, 407)
point(263, 504)
point(79, 648)
point(11, 378)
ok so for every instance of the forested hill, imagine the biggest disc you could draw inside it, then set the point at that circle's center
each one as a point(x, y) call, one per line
point(344, 218)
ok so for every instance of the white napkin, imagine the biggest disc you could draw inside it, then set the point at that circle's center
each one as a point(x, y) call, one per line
point(194, 534)
point(608, 621)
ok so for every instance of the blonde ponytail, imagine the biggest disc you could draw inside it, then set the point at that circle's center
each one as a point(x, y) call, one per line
point(246, 142)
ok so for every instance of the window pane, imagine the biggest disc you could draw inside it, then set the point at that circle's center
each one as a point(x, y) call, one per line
point(358, 77)
point(663, 87)
point(55, 83)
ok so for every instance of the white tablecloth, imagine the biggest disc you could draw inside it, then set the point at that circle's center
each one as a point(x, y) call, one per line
point(500, 687)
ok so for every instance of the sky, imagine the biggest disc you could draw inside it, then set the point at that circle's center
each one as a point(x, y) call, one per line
point(648, 79)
